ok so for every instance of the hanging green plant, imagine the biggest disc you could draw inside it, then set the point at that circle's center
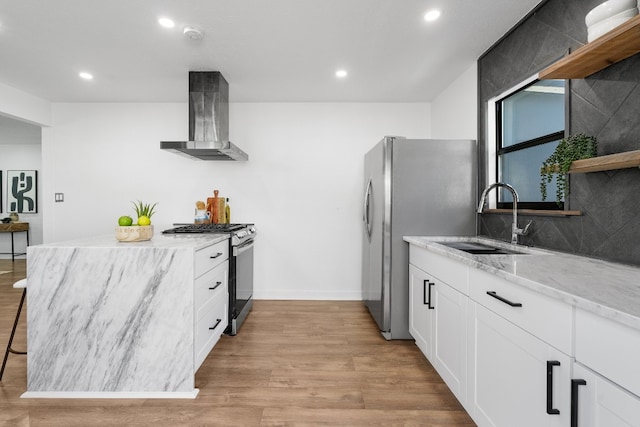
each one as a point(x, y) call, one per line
point(572, 148)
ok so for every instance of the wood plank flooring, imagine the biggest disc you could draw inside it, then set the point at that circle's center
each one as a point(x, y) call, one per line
point(293, 363)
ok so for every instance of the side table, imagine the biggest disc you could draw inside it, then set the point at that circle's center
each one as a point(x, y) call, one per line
point(15, 227)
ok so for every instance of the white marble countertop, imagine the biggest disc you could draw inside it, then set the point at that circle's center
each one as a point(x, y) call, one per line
point(158, 241)
point(608, 289)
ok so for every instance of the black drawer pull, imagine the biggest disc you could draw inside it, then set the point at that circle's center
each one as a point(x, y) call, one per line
point(216, 255)
point(216, 286)
point(574, 401)
point(504, 300)
point(426, 294)
point(550, 409)
point(216, 325)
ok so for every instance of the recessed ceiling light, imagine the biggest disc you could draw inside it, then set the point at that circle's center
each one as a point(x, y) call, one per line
point(86, 76)
point(166, 22)
point(432, 15)
point(341, 73)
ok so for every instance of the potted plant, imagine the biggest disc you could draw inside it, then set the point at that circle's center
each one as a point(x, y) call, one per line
point(571, 148)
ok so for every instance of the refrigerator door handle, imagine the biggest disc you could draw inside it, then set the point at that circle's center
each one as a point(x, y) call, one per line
point(365, 216)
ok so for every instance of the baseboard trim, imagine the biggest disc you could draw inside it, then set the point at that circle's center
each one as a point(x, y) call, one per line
point(109, 395)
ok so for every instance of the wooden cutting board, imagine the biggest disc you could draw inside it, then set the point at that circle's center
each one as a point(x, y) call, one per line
point(216, 207)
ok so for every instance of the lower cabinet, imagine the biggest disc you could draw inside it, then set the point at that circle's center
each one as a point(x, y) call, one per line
point(597, 402)
point(437, 321)
point(515, 378)
point(515, 357)
point(211, 299)
point(606, 381)
point(421, 312)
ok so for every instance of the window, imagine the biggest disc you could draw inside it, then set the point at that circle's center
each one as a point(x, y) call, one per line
point(529, 124)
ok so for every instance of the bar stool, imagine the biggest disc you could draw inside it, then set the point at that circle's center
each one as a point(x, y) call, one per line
point(20, 284)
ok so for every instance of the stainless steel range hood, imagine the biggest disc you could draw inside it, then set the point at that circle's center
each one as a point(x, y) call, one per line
point(208, 120)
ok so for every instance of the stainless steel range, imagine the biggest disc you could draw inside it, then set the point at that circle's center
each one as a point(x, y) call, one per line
point(240, 265)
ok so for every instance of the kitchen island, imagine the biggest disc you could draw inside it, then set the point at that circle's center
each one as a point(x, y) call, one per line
point(115, 319)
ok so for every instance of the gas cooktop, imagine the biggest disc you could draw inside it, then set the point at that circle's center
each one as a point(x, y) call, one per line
point(204, 228)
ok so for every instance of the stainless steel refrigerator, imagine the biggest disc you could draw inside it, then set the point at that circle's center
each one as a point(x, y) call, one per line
point(413, 187)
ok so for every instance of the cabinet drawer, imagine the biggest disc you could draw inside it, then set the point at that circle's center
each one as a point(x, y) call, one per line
point(209, 328)
point(211, 256)
point(453, 273)
point(209, 286)
point(609, 348)
point(544, 317)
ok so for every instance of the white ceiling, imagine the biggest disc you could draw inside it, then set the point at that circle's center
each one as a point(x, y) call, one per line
point(268, 50)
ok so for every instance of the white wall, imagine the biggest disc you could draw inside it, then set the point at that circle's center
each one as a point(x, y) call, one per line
point(20, 149)
point(302, 185)
point(455, 110)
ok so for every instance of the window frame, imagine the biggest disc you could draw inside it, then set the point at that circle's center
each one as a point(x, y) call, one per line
point(495, 149)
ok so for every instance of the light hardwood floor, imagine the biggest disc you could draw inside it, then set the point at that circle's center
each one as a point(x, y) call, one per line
point(293, 363)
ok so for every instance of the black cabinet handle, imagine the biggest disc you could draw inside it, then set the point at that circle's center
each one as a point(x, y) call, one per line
point(550, 409)
point(504, 300)
point(216, 255)
point(574, 401)
point(216, 286)
point(426, 293)
point(216, 325)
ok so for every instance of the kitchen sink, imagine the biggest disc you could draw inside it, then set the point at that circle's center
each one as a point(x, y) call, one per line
point(481, 248)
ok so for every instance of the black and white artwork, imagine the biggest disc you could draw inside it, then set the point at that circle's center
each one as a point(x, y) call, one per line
point(22, 191)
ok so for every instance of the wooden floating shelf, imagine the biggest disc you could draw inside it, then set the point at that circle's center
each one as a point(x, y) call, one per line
point(614, 46)
point(629, 159)
point(535, 212)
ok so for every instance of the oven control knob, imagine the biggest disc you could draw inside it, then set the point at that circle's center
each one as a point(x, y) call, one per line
point(241, 234)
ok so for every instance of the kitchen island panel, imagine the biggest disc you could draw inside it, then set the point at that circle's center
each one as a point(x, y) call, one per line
point(107, 319)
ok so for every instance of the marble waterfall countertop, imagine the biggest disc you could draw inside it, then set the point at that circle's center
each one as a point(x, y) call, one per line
point(608, 289)
point(159, 241)
point(113, 319)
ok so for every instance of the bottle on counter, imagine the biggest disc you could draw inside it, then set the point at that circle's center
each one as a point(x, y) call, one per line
point(227, 213)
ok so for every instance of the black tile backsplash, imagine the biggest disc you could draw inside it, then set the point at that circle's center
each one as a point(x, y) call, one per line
point(606, 105)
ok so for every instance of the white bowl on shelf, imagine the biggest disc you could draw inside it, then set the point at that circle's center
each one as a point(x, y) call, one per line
point(599, 28)
point(608, 9)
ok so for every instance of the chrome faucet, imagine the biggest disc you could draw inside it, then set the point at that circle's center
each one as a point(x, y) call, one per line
point(515, 231)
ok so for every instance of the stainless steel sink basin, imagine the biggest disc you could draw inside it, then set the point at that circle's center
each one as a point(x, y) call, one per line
point(481, 248)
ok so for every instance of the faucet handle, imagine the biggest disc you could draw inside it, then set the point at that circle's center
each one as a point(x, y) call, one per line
point(525, 230)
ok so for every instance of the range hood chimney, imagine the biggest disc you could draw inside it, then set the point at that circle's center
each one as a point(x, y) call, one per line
point(208, 120)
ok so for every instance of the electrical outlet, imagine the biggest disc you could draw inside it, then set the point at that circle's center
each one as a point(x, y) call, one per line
point(59, 197)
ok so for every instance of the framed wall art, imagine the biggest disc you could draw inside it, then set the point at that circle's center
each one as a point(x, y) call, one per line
point(22, 191)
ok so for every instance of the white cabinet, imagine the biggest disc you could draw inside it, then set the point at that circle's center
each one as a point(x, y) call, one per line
point(601, 403)
point(211, 298)
point(606, 381)
point(438, 320)
point(421, 312)
point(519, 340)
point(517, 357)
point(450, 330)
point(609, 348)
point(509, 369)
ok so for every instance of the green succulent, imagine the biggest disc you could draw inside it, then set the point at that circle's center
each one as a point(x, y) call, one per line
point(144, 209)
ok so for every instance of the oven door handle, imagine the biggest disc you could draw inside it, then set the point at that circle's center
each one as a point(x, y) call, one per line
point(237, 250)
